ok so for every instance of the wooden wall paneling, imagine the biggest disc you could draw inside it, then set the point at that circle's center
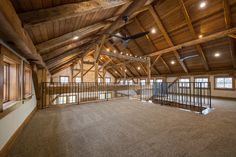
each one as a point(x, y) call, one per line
point(1, 79)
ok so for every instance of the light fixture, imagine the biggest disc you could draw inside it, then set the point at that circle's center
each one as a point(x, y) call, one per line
point(217, 55)
point(108, 49)
point(127, 54)
point(114, 51)
point(172, 62)
point(101, 58)
point(125, 70)
point(121, 53)
point(153, 31)
point(202, 4)
point(138, 68)
point(75, 37)
point(116, 72)
point(200, 36)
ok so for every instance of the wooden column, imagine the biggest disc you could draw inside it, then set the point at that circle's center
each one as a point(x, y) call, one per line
point(96, 72)
point(124, 67)
point(71, 72)
point(82, 69)
point(22, 78)
point(1, 79)
point(104, 75)
point(149, 70)
point(35, 80)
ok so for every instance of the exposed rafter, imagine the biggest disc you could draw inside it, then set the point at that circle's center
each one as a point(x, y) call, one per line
point(205, 39)
point(228, 22)
point(192, 31)
point(67, 11)
point(166, 36)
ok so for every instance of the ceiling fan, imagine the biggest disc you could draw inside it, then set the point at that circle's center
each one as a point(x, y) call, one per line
point(188, 57)
point(182, 58)
point(125, 39)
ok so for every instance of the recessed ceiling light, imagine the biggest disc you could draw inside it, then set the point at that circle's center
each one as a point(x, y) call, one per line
point(125, 70)
point(116, 72)
point(127, 54)
point(75, 37)
point(200, 36)
point(121, 53)
point(217, 55)
point(114, 51)
point(172, 62)
point(138, 68)
point(202, 4)
point(108, 49)
point(153, 31)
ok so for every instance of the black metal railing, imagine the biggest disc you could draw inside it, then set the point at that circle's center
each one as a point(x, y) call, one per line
point(189, 95)
point(56, 93)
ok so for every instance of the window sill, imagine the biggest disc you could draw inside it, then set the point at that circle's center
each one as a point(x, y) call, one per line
point(227, 89)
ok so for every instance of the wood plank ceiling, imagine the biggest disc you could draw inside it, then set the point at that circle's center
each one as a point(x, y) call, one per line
point(65, 30)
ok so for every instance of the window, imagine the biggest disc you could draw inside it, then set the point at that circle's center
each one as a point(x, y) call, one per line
point(6, 84)
point(224, 82)
point(108, 80)
point(72, 99)
point(62, 100)
point(151, 82)
point(130, 82)
point(184, 82)
point(159, 80)
point(64, 79)
point(201, 82)
point(99, 80)
point(121, 82)
point(28, 82)
point(78, 79)
point(126, 82)
point(143, 82)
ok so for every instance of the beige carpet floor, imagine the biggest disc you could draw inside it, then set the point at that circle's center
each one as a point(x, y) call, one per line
point(129, 128)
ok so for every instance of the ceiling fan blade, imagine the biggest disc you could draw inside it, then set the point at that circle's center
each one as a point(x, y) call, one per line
point(114, 35)
point(138, 35)
point(188, 57)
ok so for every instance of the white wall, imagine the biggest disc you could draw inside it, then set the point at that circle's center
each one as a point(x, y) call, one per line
point(214, 92)
point(13, 120)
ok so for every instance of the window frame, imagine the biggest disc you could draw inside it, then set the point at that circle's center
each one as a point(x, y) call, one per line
point(202, 77)
point(106, 80)
point(64, 82)
point(76, 79)
point(224, 76)
point(189, 78)
point(28, 95)
point(7, 82)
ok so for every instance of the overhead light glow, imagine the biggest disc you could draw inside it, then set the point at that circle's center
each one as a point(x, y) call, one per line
point(75, 37)
point(172, 62)
point(217, 55)
point(138, 68)
point(121, 53)
point(153, 31)
point(108, 49)
point(200, 36)
point(125, 70)
point(114, 51)
point(202, 5)
point(127, 54)
point(116, 72)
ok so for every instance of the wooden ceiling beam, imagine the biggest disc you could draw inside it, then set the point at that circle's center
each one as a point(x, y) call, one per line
point(69, 37)
point(232, 36)
point(124, 57)
point(67, 48)
point(192, 31)
point(165, 34)
point(228, 22)
point(165, 64)
point(205, 39)
point(66, 11)
point(14, 35)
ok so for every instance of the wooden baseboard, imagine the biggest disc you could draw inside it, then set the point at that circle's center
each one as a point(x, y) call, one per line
point(226, 98)
point(13, 138)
